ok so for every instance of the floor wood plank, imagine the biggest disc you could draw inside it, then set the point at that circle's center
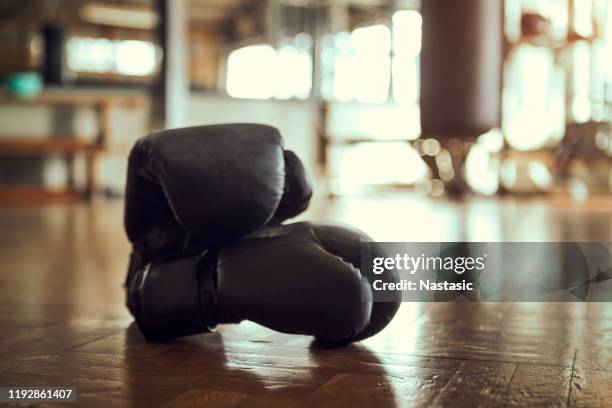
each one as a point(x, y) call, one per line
point(539, 386)
point(591, 388)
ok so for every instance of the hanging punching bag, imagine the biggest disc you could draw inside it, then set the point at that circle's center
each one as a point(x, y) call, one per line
point(461, 67)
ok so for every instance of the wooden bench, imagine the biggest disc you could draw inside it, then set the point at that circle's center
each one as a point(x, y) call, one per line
point(68, 147)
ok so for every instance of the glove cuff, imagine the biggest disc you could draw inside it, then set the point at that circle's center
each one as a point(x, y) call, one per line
point(166, 299)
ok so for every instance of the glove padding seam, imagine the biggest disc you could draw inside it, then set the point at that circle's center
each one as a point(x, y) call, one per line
point(252, 251)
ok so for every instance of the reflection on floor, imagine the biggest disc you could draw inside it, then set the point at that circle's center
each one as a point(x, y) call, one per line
point(62, 322)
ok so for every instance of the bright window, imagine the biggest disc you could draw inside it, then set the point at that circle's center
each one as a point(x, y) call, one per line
point(407, 29)
point(243, 64)
point(371, 60)
point(135, 57)
point(101, 55)
point(262, 72)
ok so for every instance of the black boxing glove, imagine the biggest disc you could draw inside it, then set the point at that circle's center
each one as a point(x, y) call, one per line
point(300, 278)
point(193, 187)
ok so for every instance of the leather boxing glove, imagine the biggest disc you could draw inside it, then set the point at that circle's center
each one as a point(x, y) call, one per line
point(300, 278)
point(193, 187)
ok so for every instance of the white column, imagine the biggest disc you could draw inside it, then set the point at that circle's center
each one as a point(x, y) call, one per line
point(177, 74)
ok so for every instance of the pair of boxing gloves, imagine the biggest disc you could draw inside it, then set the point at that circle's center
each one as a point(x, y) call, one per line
point(204, 211)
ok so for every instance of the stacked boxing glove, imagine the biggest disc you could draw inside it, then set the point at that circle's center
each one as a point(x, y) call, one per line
point(191, 194)
point(194, 187)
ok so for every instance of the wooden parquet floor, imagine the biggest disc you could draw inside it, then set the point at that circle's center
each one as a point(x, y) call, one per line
point(63, 323)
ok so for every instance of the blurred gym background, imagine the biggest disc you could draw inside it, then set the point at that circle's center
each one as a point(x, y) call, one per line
point(486, 98)
point(438, 120)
